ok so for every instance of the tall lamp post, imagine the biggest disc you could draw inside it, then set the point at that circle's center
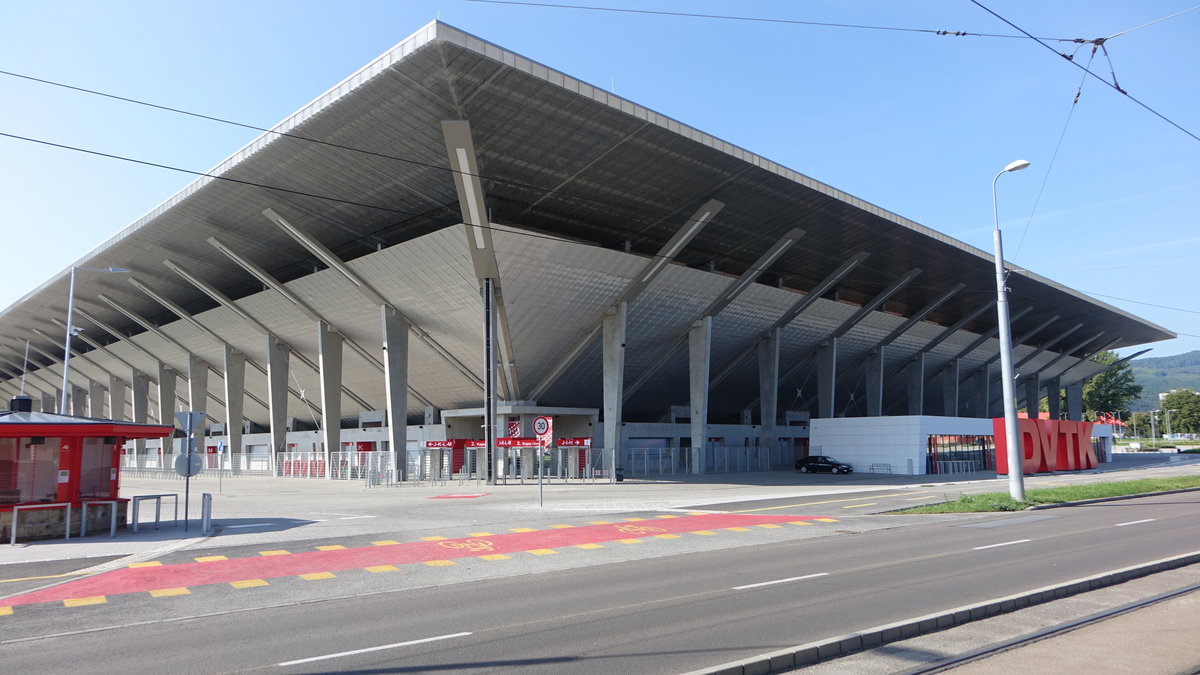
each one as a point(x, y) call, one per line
point(62, 407)
point(1016, 479)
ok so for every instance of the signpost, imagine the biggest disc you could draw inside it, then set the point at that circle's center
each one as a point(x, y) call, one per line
point(221, 466)
point(189, 464)
point(543, 428)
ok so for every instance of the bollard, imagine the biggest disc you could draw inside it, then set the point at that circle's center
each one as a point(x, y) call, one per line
point(206, 513)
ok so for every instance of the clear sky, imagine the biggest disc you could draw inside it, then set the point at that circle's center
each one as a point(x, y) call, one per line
point(915, 122)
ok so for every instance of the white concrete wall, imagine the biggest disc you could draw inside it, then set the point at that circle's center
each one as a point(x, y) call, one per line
point(899, 441)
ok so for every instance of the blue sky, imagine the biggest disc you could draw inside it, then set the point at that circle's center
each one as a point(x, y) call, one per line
point(915, 122)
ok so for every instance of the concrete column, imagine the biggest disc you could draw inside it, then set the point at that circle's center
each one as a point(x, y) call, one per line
point(1033, 395)
point(1075, 402)
point(826, 378)
point(613, 336)
point(277, 394)
point(1054, 397)
point(49, 403)
point(914, 380)
point(395, 383)
point(198, 396)
point(699, 353)
point(116, 398)
point(235, 399)
point(139, 385)
point(329, 353)
point(166, 395)
point(95, 399)
point(950, 389)
point(79, 402)
point(747, 416)
point(768, 387)
point(980, 394)
point(874, 378)
point(431, 414)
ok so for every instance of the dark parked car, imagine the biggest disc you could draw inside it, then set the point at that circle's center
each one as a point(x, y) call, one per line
point(820, 463)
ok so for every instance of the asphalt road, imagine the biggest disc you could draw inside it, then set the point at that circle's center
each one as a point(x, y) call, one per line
point(603, 609)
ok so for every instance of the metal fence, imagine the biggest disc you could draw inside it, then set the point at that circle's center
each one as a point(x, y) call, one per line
point(155, 463)
point(674, 461)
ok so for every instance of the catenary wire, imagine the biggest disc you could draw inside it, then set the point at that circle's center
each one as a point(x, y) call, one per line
point(1131, 97)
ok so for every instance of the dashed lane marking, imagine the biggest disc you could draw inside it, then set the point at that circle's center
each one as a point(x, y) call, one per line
point(439, 563)
point(704, 533)
point(825, 520)
point(599, 522)
point(479, 534)
point(667, 536)
point(151, 563)
point(434, 538)
point(382, 568)
point(827, 501)
point(542, 551)
point(738, 529)
point(317, 576)
point(799, 522)
point(589, 546)
point(495, 556)
point(769, 526)
point(521, 529)
point(913, 499)
point(268, 553)
point(215, 558)
point(634, 520)
point(859, 506)
point(5, 611)
point(84, 602)
point(561, 526)
point(248, 583)
point(169, 592)
point(331, 547)
point(667, 515)
point(629, 541)
point(385, 542)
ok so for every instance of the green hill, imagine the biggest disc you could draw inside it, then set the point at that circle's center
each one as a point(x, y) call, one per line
point(1162, 374)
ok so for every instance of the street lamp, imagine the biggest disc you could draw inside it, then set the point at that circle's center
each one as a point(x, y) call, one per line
point(1169, 411)
point(72, 330)
point(1016, 479)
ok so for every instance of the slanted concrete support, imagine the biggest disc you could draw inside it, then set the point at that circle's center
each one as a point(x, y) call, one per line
point(395, 382)
point(914, 380)
point(277, 392)
point(166, 395)
point(950, 388)
point(1075, 402)
point(235, 386)
point(699, 356)
point(198, 396)
point(1054, 397)
point(613, 337)
point(873, 364)
point(768, 386)
point(1033, 395)
point(116, 398)
point(329, 352)
point(826, 377)
point(95, 398)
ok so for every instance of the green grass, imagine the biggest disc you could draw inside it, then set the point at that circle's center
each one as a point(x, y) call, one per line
point(1000, 501)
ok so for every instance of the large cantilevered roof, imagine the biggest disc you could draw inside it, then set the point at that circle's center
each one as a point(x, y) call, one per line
point(581, 185)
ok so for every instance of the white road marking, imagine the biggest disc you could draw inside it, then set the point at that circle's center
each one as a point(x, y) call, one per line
point(1007, 543)
point(1135, 522)
point(231, 527)
point(355, 517)
point(780, 581)
point(372, 649)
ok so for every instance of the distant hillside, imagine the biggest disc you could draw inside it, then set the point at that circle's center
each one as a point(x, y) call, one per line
point(1162, 374)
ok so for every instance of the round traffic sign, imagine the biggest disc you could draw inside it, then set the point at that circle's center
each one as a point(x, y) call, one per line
point(541, 425)
point(188, 465)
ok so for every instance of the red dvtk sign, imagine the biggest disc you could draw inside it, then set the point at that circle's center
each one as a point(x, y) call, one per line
point(1047, 445)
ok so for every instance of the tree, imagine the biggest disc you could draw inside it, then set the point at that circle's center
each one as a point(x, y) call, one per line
point(1184, 405)
point(1113, 390)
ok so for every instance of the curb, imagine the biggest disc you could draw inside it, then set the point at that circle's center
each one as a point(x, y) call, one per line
point(1080, 502)
point(842, 645)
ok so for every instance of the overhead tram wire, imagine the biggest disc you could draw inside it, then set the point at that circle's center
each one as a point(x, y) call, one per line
point(794, 22)
point(1098, 42)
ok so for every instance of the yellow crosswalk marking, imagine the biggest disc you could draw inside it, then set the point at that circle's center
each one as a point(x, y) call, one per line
point(248, 583)
point(169, 592)
point(313, 576)
point(83, 602)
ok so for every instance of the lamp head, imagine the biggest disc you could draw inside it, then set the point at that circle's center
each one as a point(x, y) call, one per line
point(122, 269)
point(1017, 165)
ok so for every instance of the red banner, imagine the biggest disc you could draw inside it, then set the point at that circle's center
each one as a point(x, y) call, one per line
point(516, 442)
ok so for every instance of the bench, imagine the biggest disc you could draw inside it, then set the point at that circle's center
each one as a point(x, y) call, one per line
point(881, 467)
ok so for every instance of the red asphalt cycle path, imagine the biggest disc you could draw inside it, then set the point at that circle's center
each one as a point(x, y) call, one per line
point(182, 575)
